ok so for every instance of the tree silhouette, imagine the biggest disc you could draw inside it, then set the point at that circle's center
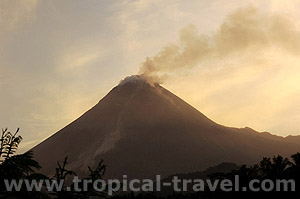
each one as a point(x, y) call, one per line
point(62, 174)
point(279, 167)
point(16, 167)
point(9, 143)
point(95, 174)
point(23, 166)
point(296, 159)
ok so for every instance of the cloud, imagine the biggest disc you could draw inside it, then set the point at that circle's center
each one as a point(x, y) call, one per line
point(63, 56)
point(288, 6)
point(15, 12)
point(245, 31)
point(76, 61)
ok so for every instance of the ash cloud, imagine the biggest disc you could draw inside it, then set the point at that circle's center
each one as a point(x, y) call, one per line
point(245, 30)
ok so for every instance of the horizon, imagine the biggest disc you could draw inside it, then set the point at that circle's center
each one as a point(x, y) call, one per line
point(58, 59)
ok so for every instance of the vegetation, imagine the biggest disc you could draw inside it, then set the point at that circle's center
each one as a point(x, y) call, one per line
point(276, 168)
point(23, 166)
point(16, 167)
point(62, 173)
point(9, 143)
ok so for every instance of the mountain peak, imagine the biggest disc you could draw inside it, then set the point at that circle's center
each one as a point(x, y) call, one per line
point(138, 80)
point(141, 130)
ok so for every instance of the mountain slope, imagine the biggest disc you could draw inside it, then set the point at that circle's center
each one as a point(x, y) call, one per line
point(141, 129)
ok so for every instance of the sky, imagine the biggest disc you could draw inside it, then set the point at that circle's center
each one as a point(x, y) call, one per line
point(235, 61)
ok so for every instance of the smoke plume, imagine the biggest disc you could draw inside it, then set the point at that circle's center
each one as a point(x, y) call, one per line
point(245, 30)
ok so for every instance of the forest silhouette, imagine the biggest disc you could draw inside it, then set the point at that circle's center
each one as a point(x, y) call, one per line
point(23, 166)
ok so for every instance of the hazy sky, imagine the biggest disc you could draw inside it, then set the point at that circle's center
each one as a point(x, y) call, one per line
point(59, 58)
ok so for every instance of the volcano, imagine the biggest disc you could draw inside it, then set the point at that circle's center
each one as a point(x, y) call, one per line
point(141, 129)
